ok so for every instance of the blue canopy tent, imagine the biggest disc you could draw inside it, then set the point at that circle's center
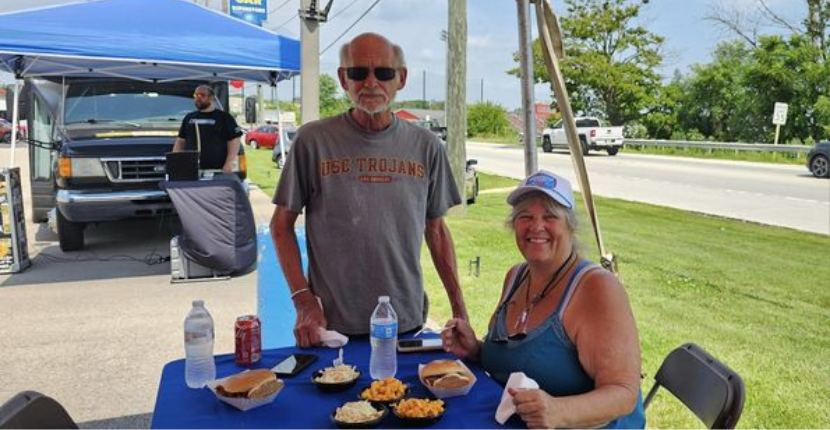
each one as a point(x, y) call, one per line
point(149, 40)
point(142, 39)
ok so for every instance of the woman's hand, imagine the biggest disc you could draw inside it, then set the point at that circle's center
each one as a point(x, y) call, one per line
point(459, 339)
point(535, 407)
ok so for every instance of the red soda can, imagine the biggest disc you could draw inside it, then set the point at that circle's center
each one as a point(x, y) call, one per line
point(248, 340)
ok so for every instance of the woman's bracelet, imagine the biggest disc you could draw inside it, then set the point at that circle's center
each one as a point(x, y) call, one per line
point(298, 292)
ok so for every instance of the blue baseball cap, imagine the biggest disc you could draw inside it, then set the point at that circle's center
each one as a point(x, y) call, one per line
point(553, 185)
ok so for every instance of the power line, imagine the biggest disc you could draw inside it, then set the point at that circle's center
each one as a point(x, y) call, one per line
point(351, 26)
point(342, 10)
point(285, 23)
point(279, 7)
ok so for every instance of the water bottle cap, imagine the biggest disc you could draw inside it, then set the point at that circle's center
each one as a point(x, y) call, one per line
point(198, 303)
point(383, 299)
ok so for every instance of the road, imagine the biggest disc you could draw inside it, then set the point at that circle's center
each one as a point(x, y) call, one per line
point(773, 194)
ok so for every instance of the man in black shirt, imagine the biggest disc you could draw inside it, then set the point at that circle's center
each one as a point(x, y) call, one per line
point(212, 132)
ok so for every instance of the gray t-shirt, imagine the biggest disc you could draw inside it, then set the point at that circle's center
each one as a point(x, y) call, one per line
point(367, 197)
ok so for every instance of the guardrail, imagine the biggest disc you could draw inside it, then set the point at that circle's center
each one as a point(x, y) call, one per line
point(760, 147)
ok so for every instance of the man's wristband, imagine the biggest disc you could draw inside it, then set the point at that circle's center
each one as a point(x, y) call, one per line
point(298, 292)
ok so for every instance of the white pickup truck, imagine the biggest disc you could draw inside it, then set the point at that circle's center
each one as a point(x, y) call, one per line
point(592, 135)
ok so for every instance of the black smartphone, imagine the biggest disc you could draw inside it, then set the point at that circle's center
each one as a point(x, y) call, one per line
point(293, 364)
point(413, 345)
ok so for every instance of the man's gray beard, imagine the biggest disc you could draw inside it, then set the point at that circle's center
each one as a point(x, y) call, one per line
point(378, 110)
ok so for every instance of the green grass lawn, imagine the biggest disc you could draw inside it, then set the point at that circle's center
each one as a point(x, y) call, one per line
point(754, 296)
point(261, 170)
point(799, 158)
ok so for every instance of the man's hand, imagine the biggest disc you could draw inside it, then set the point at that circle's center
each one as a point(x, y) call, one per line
point(227, 169)
point(310, 320)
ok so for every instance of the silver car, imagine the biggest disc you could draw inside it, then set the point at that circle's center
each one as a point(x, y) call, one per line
point(276, 154)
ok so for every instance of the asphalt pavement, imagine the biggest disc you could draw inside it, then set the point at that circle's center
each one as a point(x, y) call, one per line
point(773, 194)
point(93, 329)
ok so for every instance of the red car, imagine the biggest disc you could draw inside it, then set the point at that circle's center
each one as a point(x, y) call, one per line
point(6, 131)
point(265, 136)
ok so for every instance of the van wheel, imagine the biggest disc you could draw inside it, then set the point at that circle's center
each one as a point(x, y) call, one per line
point(546, 145)
point(613, 150)
point(583, 144)
point(70, 234)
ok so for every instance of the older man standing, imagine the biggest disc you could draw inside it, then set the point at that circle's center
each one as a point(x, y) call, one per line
point(371, 185)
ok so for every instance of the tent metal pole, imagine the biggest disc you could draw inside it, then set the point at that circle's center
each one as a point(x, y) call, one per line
point(281, 141)
point(17, 86)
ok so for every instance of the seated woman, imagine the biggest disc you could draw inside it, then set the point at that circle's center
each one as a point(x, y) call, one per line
point(563, 321)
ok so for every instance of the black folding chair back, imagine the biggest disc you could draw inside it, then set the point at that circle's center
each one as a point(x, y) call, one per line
point(709, 388)
point(32, 410)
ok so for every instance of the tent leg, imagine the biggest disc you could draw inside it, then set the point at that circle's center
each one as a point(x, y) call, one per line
point(17, 86)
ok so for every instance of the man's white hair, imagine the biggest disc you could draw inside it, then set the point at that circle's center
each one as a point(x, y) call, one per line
point(397, 52)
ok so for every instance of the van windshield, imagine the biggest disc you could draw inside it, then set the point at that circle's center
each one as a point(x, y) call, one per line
point(127, 105)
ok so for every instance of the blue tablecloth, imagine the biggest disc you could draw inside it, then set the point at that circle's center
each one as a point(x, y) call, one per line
point(302, 405)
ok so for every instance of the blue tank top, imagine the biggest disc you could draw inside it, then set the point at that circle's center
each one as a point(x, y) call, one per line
point(546, 354)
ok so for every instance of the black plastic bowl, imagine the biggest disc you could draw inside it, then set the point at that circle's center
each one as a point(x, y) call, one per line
point(405, 392)
point(419, 421)
point(328, 387)
point(364, 425)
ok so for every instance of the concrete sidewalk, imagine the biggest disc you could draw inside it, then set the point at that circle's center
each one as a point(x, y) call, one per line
point(94, 329)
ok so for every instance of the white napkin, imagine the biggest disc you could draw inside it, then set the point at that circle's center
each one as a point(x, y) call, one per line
point(506, 407)
point(332, 339)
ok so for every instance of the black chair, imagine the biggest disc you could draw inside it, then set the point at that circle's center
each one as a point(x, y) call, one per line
point(32, 410)
point(710, 389)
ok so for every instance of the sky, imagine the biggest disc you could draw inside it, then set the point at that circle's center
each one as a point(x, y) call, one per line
point(416, 26)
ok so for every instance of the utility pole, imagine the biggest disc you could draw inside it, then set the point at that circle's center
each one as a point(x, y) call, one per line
point(310, 17)
point(259, 104)
point(225, 6)
point(481, 98)
point(526, 65)
point(456, 99)
point(424, 90)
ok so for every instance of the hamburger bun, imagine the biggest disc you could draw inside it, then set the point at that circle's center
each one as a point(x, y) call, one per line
point(445, 374)
point(452, 380)
point(252, 384)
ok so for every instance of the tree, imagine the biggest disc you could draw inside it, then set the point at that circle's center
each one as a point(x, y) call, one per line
point(788, 71)
point(418, 104)
point(662, 119)
point(732, 98)
point(331, 102)
point(487, 119)
point(746, 24)
point(610, 61)
point(713, 101)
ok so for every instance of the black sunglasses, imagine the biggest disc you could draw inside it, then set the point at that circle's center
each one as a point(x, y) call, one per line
point(361, 73)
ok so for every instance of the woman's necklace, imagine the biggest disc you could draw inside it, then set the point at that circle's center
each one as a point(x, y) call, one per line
point(521, 322)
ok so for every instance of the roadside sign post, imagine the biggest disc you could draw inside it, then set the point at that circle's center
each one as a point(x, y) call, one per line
point(779, 118)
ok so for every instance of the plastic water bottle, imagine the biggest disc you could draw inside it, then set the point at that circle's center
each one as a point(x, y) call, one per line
point(199, 367)
point(383, 334)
